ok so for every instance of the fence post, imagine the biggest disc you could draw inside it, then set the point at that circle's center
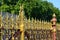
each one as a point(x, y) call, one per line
point(1, 26)
point(54, 27)
point(12, 26)
point(21, 14)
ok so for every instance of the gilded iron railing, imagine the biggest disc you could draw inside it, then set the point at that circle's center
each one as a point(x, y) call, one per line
point(14, 27)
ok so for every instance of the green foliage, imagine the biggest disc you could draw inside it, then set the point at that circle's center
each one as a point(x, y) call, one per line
point(38, 9)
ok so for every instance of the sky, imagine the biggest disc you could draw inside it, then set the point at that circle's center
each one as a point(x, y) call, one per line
point(56, 3)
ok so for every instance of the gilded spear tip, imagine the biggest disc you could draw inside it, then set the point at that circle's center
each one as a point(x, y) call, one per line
point(21, 7)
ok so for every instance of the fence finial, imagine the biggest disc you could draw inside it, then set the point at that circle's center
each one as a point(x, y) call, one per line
point(54, 15)
point(29, 19)
point(21, 10)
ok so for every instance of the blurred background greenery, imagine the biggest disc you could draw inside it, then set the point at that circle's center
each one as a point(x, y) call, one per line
point(38, 9)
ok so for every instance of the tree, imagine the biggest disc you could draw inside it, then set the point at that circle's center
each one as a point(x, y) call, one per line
point(38, 9)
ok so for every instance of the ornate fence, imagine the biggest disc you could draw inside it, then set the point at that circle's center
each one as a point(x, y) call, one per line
point(13, 27)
